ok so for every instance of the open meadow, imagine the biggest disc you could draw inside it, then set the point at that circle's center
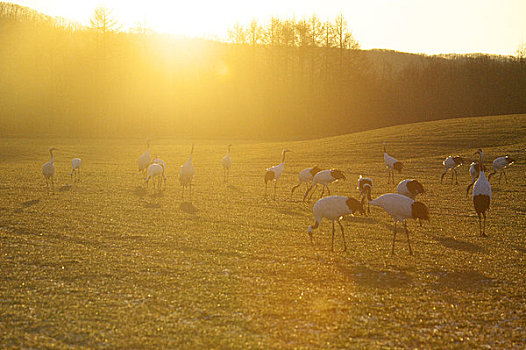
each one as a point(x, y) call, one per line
point(107, 263)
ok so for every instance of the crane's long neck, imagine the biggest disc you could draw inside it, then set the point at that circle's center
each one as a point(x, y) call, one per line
point(228, 150)
point(283, 159)
point(481, 165)
point(52, 157)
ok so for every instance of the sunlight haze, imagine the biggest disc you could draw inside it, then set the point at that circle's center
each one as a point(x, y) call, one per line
point(419, 26)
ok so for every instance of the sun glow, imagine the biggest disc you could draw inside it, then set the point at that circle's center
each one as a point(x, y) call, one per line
point(420, 26)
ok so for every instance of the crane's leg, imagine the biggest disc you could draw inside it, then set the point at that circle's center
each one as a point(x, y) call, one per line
point(484, 227)
point(480, 224)
point(407, 234)
point(313, 190)
point(79, 174)
point(265, 189)
point(442, 176)
point(332, 242)
point(456, 177)
point(505, 177)
point(322, 191)
point(275, 185)
point(394, 237)
point(452, 175)
point(343, 236)
point(328, 190)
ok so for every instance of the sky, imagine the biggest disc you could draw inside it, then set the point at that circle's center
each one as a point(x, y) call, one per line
point(418, 26)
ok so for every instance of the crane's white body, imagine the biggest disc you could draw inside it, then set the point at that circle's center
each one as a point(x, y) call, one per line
point(277, 170)
point(48, 169)
point(305, 176)
point(155, 173)
point(474, 173)
point(333, 208)
point(499, 164)
point(401, 208)
point(452, 163)
point(75, 167)
point(324, 178)
point(396, 205)
point(274, 173)
point(391, 163)
point(365, 186)
point(408, 188)
point(145, 159)
point(161, 162)
point(186, 174)
point(481, 195)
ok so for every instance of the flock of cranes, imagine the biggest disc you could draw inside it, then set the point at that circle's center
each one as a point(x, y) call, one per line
point(401, 205)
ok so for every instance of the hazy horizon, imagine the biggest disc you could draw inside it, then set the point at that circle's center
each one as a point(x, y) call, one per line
point(491, 27)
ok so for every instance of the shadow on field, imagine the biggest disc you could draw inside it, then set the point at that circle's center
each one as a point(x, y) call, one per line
point(30, 203)
point(290, 212)
point(27, 204)
point(368, 277)
point(453, 243)
point(152, 205)
point(234, 188)
point(64, 188)
point(188, 208)
point(140, 191)
point(361, 219)
point(468, 280)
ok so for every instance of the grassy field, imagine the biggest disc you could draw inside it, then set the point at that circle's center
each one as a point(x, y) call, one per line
point(105, 263)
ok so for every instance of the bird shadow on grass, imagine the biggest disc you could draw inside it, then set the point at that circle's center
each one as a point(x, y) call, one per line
point(140, 191)
point(64, 188)
point(27, 204)
point(466, 280)
point(360, 219)
point(368, 277)
point(151, 205)
point(234, 188)
point(456, 244)
point(188, 208)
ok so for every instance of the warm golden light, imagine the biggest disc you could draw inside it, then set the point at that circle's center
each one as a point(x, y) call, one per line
point(421, 26)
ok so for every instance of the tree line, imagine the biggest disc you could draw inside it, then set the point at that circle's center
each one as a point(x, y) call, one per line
point(288, 78)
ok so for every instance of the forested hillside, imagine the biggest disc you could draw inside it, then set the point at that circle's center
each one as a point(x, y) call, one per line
point(288, 79)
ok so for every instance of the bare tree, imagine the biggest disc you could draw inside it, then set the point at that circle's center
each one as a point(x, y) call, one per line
point(103, 21)
point(238, 34)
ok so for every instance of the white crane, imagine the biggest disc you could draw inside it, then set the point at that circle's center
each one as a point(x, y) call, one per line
point(474, 170)
point(410, 188)
point(452, 163)
point(186, 174)
point(145, 159)
point(481, 195)
point(401, 208)
point(227, 163)
point(365, 186)
point(305, 176)
point(48, 169)
point(499, 164)
point(324, 178)
point(163, 164)
point(334, 208)
point(155, 172)
point(392, 165)
point(274, 173)
point(75, 168)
